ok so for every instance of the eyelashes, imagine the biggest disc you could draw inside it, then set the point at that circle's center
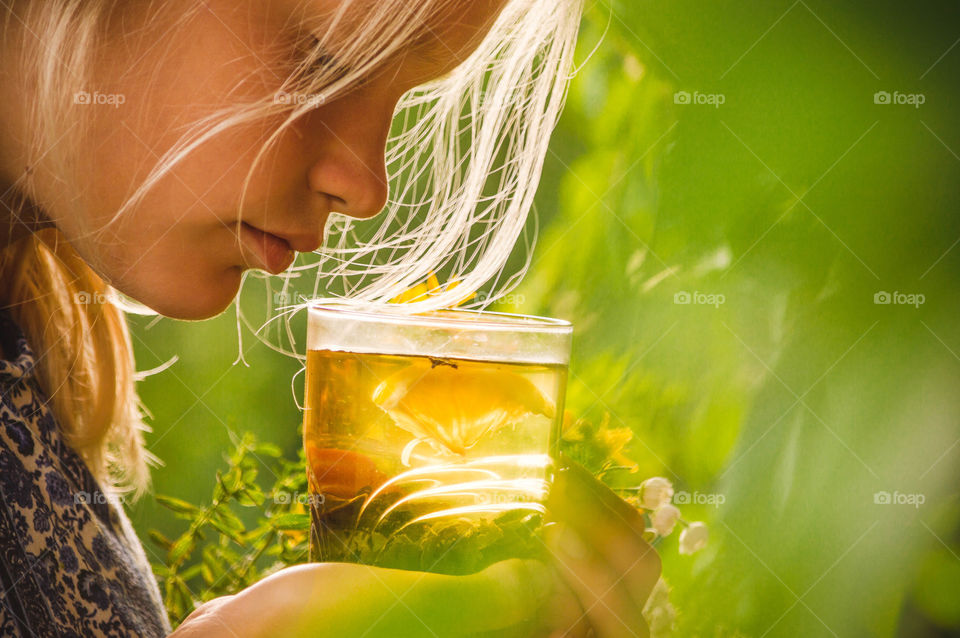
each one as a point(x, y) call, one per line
point(317, 62)
point(321, 62)
point(325, 63)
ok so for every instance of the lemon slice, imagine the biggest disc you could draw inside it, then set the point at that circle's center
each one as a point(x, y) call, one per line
point(455, 406)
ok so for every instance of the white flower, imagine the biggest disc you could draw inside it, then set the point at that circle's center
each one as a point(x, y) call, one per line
point(658, 611)
point(655, 492)
point(693, 538)
point(664, 519)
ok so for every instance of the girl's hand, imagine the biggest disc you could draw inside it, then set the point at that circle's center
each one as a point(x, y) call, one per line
point(510, 598)
point(604, 571)
point(597, 542)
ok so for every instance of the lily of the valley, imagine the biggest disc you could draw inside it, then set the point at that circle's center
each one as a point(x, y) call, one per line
point(664, 519)
point(693, 538)
point(655, 492)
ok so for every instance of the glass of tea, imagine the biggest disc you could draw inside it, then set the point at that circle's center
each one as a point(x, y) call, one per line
point(430, 437)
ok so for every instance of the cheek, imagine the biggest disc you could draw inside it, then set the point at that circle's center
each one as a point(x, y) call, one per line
point(177, 251)
point(191, 71)
point(183, 273)
point(204, 187)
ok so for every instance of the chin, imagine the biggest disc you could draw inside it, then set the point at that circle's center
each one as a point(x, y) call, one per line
point(193, 301)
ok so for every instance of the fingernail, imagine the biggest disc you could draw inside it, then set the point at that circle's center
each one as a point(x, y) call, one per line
point(567, 542)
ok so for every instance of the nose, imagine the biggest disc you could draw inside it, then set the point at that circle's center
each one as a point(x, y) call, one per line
point(348, 162)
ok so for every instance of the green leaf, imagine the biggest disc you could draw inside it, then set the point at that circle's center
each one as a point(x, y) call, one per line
point(291, 522)
point(183, 547)
point(233, 480)
point(268, 449)
point(190, 573)
point(228, 518)
point(177, 505)
point(251, 496)
point(228, 524)
point(207, 572)
point(160, 539)
point(249, 476)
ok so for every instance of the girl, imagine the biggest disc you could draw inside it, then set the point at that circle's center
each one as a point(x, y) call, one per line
point(161, 150)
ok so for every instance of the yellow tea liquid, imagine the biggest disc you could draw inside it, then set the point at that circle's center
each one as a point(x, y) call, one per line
point(428, 463)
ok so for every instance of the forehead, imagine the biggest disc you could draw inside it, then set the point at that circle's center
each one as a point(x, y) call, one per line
point(458, 27)
point(441, 31)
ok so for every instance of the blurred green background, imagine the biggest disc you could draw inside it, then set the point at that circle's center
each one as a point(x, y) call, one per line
point(751, 211)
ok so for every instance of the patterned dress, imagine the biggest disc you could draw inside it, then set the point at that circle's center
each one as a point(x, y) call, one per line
point(70, 563)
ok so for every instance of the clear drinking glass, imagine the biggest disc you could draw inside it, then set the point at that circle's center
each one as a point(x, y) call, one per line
point(429, 438)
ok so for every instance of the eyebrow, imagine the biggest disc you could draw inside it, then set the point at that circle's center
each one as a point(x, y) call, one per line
point(423, 39)
point(426, 45)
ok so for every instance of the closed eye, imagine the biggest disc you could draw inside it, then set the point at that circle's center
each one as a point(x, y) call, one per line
point(325, 63)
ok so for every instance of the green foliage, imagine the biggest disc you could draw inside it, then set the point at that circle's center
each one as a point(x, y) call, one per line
point(456, 546)
point(798, 397)
point(218, 554)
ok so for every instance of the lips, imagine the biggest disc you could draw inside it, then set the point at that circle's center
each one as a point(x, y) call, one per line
point(274, 253)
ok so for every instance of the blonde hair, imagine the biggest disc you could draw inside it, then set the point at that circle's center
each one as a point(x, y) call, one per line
point(463, 163)
point(461, 206)
point(82, 351)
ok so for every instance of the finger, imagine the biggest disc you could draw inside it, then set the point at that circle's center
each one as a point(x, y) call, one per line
point(566, 617)
point(561, 617)
point(507, 599)
point(509, 594)
point(352, 600)
point(608, 605)
point(609, 525)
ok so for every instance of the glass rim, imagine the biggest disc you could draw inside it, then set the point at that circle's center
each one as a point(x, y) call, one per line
point(447, 317)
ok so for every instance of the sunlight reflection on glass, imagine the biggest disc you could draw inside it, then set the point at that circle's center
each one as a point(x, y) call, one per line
point(429, 437)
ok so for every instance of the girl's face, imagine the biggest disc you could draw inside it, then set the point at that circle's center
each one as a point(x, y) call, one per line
point(182, 250)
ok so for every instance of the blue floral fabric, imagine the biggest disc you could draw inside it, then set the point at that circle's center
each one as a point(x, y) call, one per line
point(70, 562)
